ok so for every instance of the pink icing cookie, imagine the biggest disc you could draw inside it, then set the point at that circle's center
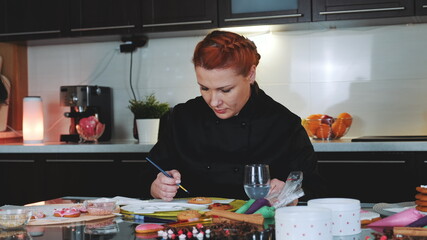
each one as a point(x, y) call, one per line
point(148, 228)
point(66, 212)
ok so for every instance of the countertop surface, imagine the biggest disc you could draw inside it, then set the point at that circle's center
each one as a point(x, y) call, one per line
point(132, 146)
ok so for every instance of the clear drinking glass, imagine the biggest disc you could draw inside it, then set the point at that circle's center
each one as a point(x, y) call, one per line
point(257, 180)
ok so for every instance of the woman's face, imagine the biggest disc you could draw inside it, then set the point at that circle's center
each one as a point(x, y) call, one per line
point(225, 91)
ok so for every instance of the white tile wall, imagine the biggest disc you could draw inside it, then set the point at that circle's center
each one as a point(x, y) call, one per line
point(377, 74)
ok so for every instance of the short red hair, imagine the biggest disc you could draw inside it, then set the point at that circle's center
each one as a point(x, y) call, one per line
point(222, 50)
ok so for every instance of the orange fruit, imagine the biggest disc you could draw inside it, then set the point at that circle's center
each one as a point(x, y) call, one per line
point(315, 116)
point(323, 131)
point(339, 127)
point(347, 118)
point(304, 123)
point(312, 123)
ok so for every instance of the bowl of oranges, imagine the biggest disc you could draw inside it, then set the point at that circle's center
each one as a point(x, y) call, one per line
point(325, 127)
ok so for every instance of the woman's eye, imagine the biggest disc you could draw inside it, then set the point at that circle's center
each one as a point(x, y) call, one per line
point(226, 90)
point(204, 88)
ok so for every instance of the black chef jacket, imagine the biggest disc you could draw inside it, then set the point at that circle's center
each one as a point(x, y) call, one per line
point(210, 153)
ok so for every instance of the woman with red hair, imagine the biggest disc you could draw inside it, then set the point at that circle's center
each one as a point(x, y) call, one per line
point(209, 139)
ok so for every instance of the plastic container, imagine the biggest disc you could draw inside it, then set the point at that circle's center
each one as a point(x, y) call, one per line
point(345, 214)
point(303, 223)
point(101, 206)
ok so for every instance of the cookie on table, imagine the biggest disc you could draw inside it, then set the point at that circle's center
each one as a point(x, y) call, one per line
point(420, 196)
point(188, 215)
point(66, 212)
point(422, 189)
point(220, 206)
point(367, 217)
point(421, 208)
point(200, 200)
point(421, 203)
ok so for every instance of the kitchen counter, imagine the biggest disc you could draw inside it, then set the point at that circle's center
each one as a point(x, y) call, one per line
point(345, 145)
point(61, 147)
point(342, 145)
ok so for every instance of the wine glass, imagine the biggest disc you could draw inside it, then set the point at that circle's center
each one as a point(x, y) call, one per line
point(257, 180)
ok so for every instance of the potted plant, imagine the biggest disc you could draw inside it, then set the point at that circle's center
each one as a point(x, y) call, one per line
point(147, 115)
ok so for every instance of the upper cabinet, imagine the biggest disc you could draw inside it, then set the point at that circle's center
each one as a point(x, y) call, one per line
point(255, 12)
point(330, 10)
point(38, 19)
point(94, 17)
point(167, 15)
point(421, 7)
point(30, 19)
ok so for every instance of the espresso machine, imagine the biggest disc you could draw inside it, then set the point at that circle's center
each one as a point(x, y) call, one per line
point(85, 101)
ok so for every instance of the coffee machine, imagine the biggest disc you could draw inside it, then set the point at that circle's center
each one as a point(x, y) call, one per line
point(85, 101)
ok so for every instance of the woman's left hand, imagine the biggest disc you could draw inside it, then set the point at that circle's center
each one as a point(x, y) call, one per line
point(276, 186)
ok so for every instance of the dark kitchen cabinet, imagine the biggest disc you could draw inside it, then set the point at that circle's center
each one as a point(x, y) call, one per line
point(102, 17)
point(330, 10)
point(371, 176)
point(21, 179)
point(254, 12)
point(173, 15)
point(36, 177)
point(421, 168)
point(421, 7)
point(30, 19)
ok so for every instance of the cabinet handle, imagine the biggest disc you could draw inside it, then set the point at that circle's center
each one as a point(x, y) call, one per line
point(78, 160)
point(424, 6)
point(262, 18)
point(29, 33)
point(17, 161)
point(176, 23)
point(134, 161)
point(101, 28)
point(359, 161)
point(363, 10)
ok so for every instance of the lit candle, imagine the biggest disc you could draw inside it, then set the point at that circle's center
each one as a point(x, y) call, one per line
point(32, 124)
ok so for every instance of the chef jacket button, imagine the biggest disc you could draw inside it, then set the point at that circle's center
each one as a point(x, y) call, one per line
point(217, 121)
point(236, 169)
point(243, 124)
point(208, 167)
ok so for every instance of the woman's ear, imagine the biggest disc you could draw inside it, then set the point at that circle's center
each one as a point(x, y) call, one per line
point(252, 74)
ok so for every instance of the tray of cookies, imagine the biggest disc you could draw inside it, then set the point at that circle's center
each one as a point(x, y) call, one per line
point(159, 208)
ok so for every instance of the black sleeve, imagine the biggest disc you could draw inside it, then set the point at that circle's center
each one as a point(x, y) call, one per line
point(305, 160)
point(161, 151)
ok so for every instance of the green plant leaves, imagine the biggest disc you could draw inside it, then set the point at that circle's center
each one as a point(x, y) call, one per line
point(148, 108)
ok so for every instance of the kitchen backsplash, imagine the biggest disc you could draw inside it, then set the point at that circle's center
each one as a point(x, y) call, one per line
point(377, 74)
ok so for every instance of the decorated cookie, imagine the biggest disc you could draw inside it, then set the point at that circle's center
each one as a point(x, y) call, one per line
point(200, 200)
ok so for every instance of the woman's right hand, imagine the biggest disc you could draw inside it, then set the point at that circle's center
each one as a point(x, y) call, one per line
point(164, 187)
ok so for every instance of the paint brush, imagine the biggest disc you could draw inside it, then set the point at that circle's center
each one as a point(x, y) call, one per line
point(165, 173)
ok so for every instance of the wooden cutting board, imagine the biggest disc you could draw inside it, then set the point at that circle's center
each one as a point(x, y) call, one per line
point(62, 220)
point(51, 220)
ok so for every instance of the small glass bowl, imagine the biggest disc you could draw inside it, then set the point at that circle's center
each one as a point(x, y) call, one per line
point(14, 218)
point(327, 129)
point(90, 129)
point(99, 207)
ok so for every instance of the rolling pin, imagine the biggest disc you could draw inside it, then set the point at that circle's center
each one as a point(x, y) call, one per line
point(249, 218)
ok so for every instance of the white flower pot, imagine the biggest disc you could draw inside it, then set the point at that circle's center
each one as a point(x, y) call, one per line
point(148, 130)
